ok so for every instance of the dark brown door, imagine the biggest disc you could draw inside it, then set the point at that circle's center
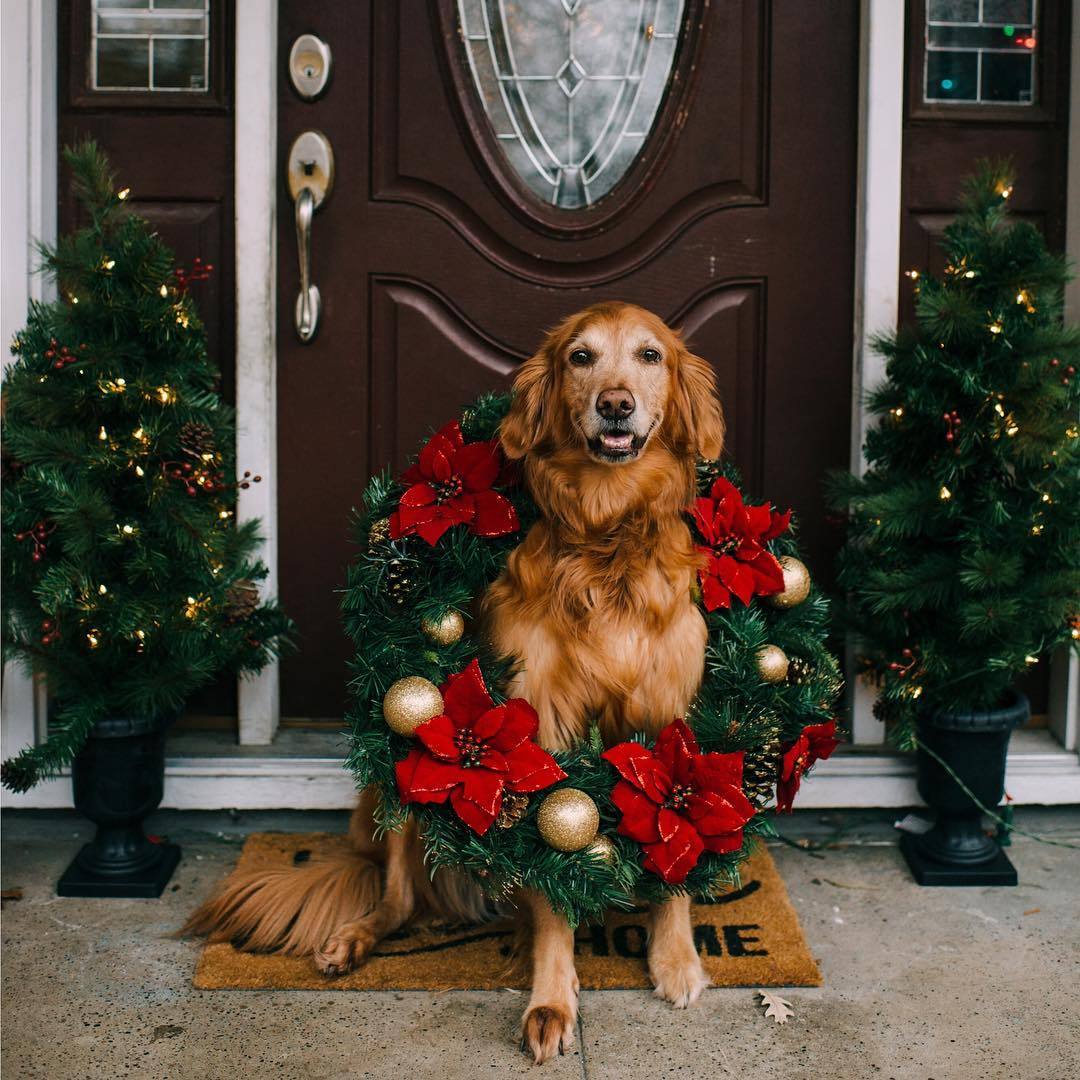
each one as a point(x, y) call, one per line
point(499, 166)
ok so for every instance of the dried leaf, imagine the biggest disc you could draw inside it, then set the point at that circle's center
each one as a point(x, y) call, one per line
point(777, 1007)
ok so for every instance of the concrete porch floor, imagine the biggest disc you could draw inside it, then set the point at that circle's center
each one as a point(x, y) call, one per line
point(931, 984)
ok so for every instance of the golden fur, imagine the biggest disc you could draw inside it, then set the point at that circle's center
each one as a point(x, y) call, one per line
point(595, 608)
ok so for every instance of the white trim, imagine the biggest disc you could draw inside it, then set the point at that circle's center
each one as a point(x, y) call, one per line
point(28, 194)
point(1039, 772)
point(256, 338)
point(1065, 665)
point(877, 249)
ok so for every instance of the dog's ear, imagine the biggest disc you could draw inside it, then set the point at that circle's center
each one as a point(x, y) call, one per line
point(526, 424)
point(697, 420)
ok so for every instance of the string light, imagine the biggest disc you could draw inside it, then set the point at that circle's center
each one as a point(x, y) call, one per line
point(164, 290)
point(139, 470)
point(123, 193)
point(1036, 529)
point(897, 412)
point(225, 514)
point(166, 395)
point(944, 494)
point(128, 530)
point(92, 638)
point(1024, 297)
point(103, 435)
point(1046, 497)
point(102, 591)
point(996, 327)
point(108, 264)
point(1029, 659)
point(913, 274)
point(1012, 429)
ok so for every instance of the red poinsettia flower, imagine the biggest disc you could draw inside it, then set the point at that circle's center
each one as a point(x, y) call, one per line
point(738, 563)
point(815, 743)
point(451, 484)
point(474, 752)
point(677, 802)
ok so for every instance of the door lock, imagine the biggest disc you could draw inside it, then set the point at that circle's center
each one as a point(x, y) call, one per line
point(310, 62)
point(310, 176)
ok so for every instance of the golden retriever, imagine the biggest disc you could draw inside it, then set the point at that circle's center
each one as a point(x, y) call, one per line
point(595, 607)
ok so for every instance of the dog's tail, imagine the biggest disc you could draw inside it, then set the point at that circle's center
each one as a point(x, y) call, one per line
point(292, 909)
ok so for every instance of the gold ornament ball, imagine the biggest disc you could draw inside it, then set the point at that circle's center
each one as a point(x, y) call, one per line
point(568, 819)
point(796, 583)
point(602, 847)
point(444, 631)
point(409, 702)
point(772, 663)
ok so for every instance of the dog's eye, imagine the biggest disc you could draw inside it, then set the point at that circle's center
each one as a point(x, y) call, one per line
point(650, 356)
point(580, 357)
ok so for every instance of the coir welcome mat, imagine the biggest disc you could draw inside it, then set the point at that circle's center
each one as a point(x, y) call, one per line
point(748, 937)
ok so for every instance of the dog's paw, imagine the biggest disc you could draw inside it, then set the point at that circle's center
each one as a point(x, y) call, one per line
point(679, 980)
point(547, 1030)
point(343, 952)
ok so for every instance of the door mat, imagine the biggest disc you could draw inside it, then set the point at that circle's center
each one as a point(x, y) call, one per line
point(748, 937)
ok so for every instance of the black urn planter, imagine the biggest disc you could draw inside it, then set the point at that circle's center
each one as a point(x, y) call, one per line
point(974, 744)
point(119, 778)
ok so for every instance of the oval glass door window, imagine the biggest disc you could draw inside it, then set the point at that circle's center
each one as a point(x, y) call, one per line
point(571, 87)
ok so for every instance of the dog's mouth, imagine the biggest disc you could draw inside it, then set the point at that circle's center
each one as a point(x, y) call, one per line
point(617, 443)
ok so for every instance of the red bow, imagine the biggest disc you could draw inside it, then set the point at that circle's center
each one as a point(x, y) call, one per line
point(735, 534)
point(677, 802)
point(815, 743)
point(451, 485)
point(474, 751)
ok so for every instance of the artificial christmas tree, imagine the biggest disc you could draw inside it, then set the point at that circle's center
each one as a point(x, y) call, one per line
point(961, 565)
point(127, 581)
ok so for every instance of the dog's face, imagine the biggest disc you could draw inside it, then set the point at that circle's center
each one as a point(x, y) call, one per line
point(609, 380)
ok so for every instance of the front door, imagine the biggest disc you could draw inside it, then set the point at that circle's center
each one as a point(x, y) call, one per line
point(502, 163)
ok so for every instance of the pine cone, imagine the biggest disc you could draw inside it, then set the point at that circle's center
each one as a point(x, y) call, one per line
point(241, 601)
point(399, 581)
point(800, 670)
point(197, 439)
point(378, 535)
point(514, 807)
point(761, 768)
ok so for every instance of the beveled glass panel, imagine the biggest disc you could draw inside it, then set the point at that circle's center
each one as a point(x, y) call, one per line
point(150, 45)
point(571, 88)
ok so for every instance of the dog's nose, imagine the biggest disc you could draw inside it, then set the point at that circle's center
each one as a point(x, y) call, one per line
point(615, 404)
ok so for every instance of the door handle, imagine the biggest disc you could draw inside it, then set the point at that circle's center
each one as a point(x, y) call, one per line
point(310, 174)
point(309, 302)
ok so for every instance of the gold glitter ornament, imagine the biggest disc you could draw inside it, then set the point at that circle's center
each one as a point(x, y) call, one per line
point(409, 703)
point(772, 663)
point(444, 631)
point(568, 820)
point(796, 583)
point(602, 847)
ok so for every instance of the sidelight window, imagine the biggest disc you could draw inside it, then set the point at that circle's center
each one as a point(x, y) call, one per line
point(150, 45)
point(571, 88)
point(980, 52)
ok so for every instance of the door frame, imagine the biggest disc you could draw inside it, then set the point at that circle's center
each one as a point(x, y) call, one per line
point(1045, 771)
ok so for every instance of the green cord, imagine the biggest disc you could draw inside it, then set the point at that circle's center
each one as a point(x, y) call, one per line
point(1008, 826)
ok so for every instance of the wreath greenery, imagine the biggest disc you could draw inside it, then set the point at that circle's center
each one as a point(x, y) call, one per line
point(400, 589)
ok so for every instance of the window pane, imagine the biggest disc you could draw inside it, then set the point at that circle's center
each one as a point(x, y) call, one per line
point(952, 76)
point(980, 52)
point(123, 63)
point(150, 45)
point(571, 87)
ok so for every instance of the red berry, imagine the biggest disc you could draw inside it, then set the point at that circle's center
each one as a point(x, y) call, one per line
point(36, 556)
point(1055, 362)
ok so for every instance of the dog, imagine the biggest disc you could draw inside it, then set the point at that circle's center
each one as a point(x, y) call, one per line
point(595, 608)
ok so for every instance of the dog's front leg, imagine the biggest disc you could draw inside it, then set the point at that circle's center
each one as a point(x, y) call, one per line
point(547, 1027)
point(350, 944)
point(674, 965)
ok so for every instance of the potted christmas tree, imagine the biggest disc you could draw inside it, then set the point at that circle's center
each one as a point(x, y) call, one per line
point(127, 582)
point(960, 564)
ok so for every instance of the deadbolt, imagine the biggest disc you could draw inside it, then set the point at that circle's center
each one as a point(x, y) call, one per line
point(309, 66)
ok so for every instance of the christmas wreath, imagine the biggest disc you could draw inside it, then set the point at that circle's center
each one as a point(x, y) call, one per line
point(593, 827)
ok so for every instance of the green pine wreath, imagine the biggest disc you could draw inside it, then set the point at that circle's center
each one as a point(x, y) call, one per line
point(400, 590)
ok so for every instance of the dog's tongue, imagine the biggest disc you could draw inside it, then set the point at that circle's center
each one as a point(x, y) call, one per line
point(611, 441)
